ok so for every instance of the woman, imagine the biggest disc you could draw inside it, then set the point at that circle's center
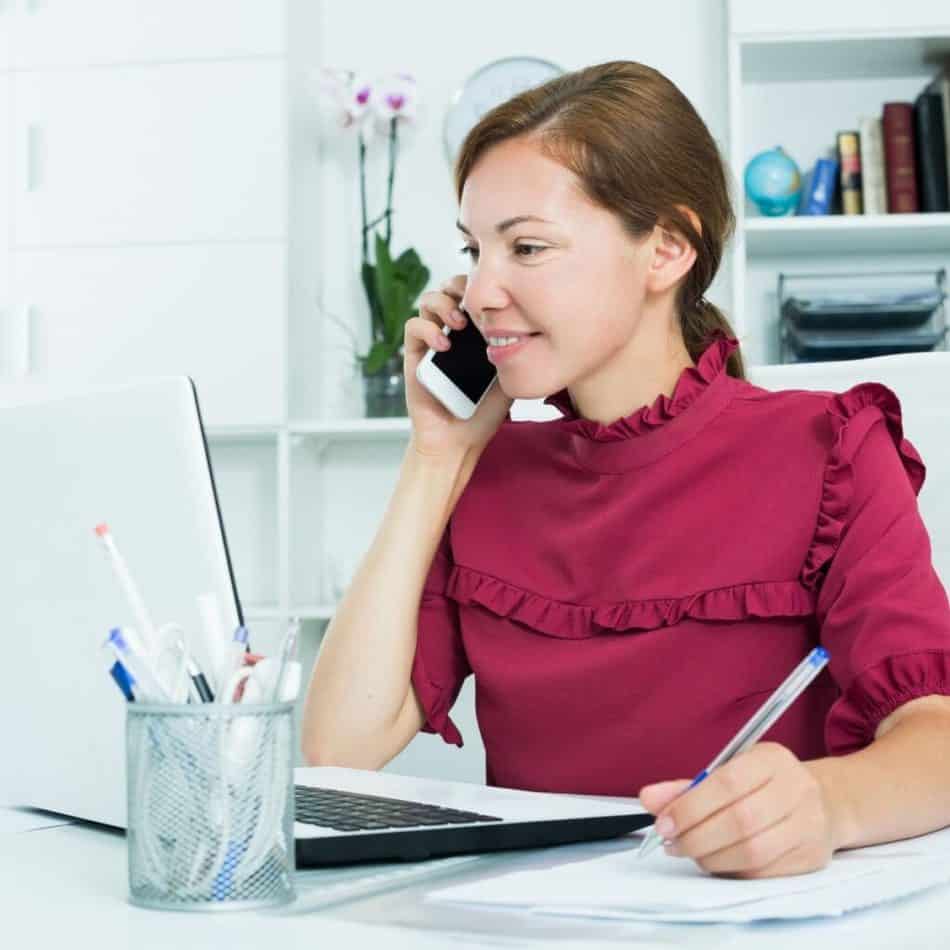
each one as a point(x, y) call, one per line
point(628, 582)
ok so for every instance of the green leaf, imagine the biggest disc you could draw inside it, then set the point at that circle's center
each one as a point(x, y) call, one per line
point(378, 354)
point(385, 280)
point(414, 272)
point(369, 285)
point(396, 284)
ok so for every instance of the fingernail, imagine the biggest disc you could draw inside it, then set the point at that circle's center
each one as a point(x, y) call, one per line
point(458, 316)
point(443, 343)
point(665, 826)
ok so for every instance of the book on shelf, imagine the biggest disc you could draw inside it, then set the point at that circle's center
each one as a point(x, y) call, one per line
point(873, 181)
point(820, 188)
point(900, 160)
point(941, 85)
point(849, 161)
point(931, 150)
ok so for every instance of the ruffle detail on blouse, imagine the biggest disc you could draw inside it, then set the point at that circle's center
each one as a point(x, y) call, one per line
point(692, 381)
point(850, 423)
point(436, 702)
point(581, 621)
point(875, 693)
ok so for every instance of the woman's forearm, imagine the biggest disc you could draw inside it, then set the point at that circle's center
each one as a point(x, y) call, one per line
point(361, 677)
point(896, 787)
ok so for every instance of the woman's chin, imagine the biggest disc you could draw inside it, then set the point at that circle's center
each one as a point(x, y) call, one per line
point(520, 389)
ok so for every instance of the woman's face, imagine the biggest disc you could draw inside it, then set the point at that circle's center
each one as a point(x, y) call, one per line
point(576, 278)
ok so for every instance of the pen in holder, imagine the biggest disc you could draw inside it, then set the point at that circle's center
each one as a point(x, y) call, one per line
point(210, 805)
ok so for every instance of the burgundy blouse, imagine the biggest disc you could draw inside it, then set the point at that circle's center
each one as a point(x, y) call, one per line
point(626, 595)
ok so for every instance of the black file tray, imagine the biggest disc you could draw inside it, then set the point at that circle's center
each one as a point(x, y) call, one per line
point(894, 300)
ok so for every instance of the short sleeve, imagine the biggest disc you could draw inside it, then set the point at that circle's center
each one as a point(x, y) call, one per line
point(882, 611)
point(440, 665)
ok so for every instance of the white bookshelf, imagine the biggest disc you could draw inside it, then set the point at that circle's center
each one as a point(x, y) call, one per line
point(796, 78)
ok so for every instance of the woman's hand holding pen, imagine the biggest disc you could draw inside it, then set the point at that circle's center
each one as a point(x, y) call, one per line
point(765, 813)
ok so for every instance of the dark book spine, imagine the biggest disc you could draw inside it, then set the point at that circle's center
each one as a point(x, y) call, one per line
point(897, 123)
point(931, 152)
point(849, 160)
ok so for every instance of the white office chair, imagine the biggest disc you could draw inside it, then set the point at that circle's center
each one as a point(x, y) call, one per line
point(921, 381)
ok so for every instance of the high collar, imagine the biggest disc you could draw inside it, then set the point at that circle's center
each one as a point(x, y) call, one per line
point(650, 432)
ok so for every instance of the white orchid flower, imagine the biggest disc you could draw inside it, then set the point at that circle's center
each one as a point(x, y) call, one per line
point(349, 94)
point(396, 98)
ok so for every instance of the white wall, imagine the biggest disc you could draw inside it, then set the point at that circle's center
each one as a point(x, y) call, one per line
point(442, 45)
point(685, 39)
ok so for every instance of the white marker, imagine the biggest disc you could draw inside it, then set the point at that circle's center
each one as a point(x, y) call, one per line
point(146, 629)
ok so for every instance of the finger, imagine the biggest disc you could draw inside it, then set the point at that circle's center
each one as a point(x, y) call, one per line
point(755, 854)
point(737, 778)
point(420, 333)
point(740, 821)
point(455, 286)
point(657, 796)
point(441, 308)
point(804, 859)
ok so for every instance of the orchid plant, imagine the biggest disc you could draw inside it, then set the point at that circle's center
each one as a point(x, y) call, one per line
point(370, 108)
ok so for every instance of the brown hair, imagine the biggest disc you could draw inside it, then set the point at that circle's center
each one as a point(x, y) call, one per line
point(639, 149)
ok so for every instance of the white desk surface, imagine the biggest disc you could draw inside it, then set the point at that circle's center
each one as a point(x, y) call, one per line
point(65, 886)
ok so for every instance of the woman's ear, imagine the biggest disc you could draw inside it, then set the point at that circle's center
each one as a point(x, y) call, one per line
point(673, 253)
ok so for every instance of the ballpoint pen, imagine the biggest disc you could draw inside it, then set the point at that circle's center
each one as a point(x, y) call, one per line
point(760, 721)
point(150, 686)
point(128, 585)
point(124, 680)
point(238, 648)
point(287, 650)
point(198, 681)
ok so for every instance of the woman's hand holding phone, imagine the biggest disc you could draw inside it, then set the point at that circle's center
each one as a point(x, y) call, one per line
point(435, 430)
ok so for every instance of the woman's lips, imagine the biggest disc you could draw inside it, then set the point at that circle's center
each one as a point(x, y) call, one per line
point(498, 354)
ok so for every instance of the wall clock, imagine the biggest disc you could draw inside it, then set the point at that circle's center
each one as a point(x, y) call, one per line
point(486, 88)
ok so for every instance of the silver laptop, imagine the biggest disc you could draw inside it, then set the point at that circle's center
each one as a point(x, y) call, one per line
point(135, 456)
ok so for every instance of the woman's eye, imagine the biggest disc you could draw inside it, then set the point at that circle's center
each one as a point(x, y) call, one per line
point(519, 248)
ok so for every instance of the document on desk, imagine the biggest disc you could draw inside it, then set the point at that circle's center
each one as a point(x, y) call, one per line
point(663, 888)
point(14, 819)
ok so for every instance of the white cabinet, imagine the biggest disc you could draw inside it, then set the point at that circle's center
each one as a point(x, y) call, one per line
point(184, 152)
point(6, 25)
point(78, 32)
point(214, 312)
point(798, 75)
point(6, 294)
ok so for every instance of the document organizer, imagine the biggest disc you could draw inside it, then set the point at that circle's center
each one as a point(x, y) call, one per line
point(852, 315)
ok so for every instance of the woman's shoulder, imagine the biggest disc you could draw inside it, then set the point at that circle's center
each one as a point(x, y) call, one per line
point(830, 416)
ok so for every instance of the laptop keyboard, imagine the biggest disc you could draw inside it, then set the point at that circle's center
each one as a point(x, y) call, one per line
point(353, 811)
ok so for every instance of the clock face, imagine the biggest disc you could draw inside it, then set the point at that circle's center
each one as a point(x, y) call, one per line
point(487, 88)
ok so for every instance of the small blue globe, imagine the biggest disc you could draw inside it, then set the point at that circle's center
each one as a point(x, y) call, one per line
point(773, 182)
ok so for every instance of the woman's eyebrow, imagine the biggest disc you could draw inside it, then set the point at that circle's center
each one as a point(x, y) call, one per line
point(503, 226)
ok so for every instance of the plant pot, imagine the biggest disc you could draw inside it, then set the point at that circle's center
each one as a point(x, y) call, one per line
point(384, 392)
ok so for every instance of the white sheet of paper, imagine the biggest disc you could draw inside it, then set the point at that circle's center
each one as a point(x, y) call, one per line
point(664, 888)
point(14, 819)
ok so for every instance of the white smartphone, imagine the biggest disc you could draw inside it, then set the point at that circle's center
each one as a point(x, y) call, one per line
point(460, 376)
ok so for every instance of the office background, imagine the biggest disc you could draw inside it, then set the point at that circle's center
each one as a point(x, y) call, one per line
point(176, 203)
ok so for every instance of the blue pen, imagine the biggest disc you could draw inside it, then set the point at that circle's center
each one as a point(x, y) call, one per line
point(150, 686)
point(124, 680)
point(757, 725)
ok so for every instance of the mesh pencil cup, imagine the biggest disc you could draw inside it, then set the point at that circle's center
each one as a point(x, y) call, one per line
point(210, 805)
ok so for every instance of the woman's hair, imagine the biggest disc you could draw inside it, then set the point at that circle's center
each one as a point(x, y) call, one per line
point(639, 149)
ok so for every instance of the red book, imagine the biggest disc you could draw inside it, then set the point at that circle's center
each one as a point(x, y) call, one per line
point(897, 123)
